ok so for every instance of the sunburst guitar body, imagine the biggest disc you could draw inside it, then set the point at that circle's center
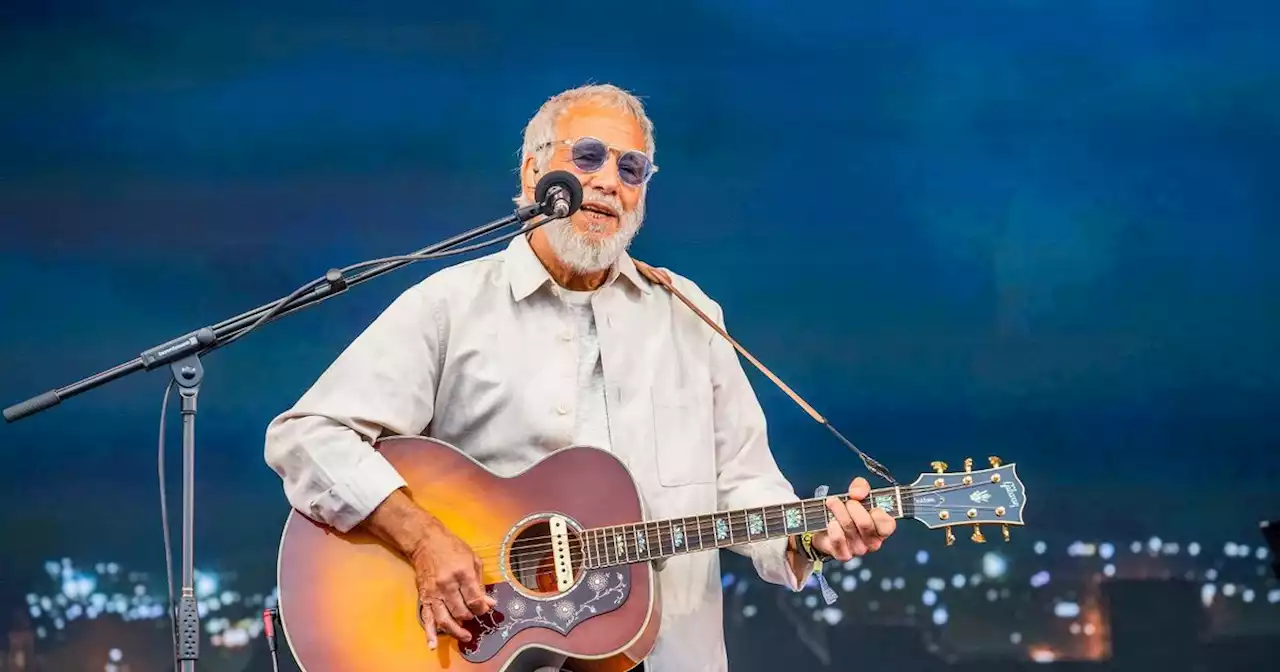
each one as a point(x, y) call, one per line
point(567, 556)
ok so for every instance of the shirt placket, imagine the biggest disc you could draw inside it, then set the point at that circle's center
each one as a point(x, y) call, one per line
point(563, 405)
point(612, 353)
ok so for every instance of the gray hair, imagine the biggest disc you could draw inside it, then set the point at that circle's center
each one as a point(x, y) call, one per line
point(541, 129)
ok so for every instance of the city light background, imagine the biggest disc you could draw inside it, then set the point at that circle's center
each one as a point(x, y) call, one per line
point(1039, 230)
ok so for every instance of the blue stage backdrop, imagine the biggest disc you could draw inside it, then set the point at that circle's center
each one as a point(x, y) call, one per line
point(1043, 231)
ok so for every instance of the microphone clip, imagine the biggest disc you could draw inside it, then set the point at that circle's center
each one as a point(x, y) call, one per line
point(557, 195)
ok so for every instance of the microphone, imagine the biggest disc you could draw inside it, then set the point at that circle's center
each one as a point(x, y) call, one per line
point(559, 194)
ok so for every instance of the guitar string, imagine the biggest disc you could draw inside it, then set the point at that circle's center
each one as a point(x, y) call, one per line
point(526, 543)
point(542, 542)
point(582, 550)
point(538, 547)
point(867, 504)
point(579, 551)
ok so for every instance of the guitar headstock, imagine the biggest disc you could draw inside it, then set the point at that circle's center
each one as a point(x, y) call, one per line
point(945, 499)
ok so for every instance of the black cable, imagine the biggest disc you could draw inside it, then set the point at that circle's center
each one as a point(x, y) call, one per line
point(164, 523)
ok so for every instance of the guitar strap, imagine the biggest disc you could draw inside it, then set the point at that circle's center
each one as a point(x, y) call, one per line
point(661, 278)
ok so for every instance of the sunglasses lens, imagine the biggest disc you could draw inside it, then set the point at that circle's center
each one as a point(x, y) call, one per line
point(633, 168)
point(589, 155)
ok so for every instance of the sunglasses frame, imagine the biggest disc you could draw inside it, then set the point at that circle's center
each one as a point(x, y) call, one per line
point(653, 167)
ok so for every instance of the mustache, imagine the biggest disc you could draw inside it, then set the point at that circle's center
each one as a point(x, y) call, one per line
point(611, 201)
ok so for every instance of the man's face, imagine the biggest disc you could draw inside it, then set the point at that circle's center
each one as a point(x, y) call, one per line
point(612, 209)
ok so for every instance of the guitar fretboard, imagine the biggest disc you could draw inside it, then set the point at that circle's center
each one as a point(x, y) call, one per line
point(652, 540)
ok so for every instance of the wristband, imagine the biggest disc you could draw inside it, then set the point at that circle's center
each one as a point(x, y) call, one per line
point(806, 546)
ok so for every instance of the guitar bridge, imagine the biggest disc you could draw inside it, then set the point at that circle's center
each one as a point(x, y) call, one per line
point(560, 553)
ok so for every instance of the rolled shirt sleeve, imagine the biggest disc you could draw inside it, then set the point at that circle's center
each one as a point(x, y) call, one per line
point(383, 383)
point(747, 474)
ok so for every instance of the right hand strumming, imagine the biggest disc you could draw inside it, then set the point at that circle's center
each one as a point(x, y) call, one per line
point(450, 589)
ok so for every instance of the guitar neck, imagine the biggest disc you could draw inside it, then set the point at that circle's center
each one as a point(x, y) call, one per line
point(657, 539)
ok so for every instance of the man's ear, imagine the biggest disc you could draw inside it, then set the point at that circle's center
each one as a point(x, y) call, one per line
point(529, 177)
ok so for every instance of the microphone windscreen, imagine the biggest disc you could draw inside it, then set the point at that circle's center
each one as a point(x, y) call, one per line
point(564, 179)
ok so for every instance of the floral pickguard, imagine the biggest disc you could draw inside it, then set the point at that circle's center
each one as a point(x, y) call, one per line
point(604, 590)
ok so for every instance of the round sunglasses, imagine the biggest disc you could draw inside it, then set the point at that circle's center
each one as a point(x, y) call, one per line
point(589, 155)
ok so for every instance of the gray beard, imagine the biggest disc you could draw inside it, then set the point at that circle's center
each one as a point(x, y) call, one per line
point(590, 256)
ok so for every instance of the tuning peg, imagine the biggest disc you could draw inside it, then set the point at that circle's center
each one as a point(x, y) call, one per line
point(995, 461)
point(977, 537)
point(968, 464)
point(938, 467)
point(951, 537)
point(1004, 529)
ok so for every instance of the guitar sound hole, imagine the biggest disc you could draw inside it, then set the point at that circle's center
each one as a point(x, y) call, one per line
point(531, 562)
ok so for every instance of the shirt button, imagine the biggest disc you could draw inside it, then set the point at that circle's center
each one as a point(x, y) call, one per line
point(562, 410)
point(566, 336)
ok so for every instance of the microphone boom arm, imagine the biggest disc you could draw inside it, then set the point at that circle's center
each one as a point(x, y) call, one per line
point(334, 282)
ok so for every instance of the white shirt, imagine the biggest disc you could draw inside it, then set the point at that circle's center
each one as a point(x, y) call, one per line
point(591, 417)
point(482, 356)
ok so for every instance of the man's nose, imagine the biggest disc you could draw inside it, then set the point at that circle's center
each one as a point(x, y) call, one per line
point(604, 180)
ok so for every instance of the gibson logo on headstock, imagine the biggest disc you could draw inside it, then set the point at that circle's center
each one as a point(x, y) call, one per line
point(1012, 492)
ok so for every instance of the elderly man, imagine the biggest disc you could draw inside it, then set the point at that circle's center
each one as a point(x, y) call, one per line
point(558, 340)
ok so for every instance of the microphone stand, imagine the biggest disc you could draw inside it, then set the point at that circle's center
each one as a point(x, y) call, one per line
point(182, 356)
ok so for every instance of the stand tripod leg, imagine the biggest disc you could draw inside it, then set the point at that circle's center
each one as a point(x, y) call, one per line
point(188, 373)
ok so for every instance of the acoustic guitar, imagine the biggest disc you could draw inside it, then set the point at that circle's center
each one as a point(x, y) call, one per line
point(567, 554)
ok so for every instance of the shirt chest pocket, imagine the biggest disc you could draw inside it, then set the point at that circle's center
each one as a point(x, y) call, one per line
point(683, 436)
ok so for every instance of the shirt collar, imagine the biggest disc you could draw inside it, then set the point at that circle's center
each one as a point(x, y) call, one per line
point(526, 272)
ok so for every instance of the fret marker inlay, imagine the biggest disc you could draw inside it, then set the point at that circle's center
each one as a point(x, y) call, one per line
point(884, 503)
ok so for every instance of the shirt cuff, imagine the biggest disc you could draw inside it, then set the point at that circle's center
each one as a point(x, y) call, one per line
point(351, 500)
point(773, 564)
